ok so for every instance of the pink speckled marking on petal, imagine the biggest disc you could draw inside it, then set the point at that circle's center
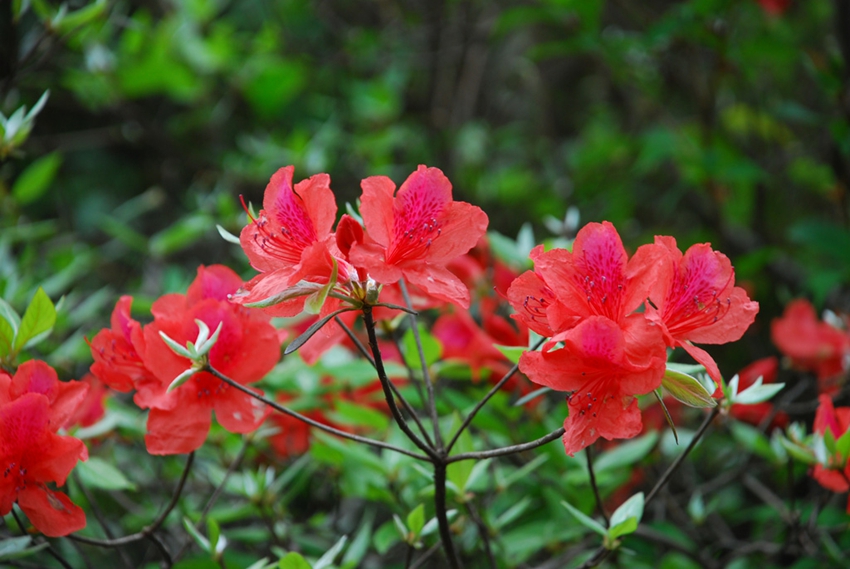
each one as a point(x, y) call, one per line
point(600, 263)
point(697, 296)
point(416, 213)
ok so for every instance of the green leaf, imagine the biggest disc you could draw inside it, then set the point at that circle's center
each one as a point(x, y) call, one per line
point(293, 560)
point(360, 544)
point(80, 18)
point(433, 524)
point(7, 338)
point(348, 413)
point(327, 559)
point(585, 520)
point(626, 518)
point(11, 545)
point(214, 533)
point(39, 317)
point(400, 527)
point(313, 304)
point(627, 453)
point(757, 393)
point(458, 473)
point(36, 179)
point(308, 333)
point(8, 314)
point(227, 236)
point(202, 542)
point(97, 473)
point(416, 520)
point(752, 439)
point(687, 389)
point(430, 346)
point(16, 547)
point(513, 353)
point(385, 537)
point(842, 445)
point(301, 288)
point(801, 453)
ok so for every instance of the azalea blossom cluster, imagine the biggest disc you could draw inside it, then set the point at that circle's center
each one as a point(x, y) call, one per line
point(412, 234)
point(811, 344)
point(129, 356)
point(610, 319)
point(34, 407)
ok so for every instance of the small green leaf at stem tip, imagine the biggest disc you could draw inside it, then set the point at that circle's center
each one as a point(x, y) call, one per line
point(687, 389)
point(309, 332)
point(397, 307)
point(203, 348)
point(512, 353)
point(182, 378)
point(416, 520)
point(40, 316)
point(227, 236)
point(584, 519)
point(175, 347)
point(630, 509)
point(302, 288)
point(203, 331)
point(314, 302)
point(757, 393)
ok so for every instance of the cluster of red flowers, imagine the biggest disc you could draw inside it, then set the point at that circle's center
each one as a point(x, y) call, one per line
point(130, 356)
point(603, 348)
point(835, 475)
point(34, 406)
point(812, 344)
point(412, 233)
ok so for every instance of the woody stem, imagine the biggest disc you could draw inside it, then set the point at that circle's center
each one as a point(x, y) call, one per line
point(426, 376)
point(388, 393)
point(321, 426)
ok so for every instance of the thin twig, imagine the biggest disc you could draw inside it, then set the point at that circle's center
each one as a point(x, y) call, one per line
point(484, 532)
point(101, 520)
point(589, 455)
point(216, 493)
point(404, 403)
point(426, 556)
point(286, 411)
point(602, 553)
point(507, 450)
point(385, 383)
point(49, 549)
point(147, 530)
point(426, 375)
point(495, 389)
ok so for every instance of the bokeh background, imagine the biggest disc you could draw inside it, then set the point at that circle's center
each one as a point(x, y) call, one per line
point(711, 120)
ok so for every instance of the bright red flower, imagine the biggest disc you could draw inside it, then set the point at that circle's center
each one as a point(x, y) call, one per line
point(35, 376)
point(835, 477)
point(415, 232)
point(596, 279)
point(767, 369)
point(34, 404)
point(604, 365)
point(696, 300)
point(811, 344)
point(116, 362)
point(91, 408)
point(464, 340)
point(775, 7)
point(291, 241)
point(248, 348)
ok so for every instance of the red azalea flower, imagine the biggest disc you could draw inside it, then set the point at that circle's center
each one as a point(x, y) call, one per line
point(604, 366)
point(596, 279)
point(775, 7)
point(116, 362)
point(91, 409)
point(248, 348)
point(696, 300)
point(291, 240)
point(35, 376)
point(811, 344)
point(416, 232)
point(835, 477)
point(463, 340)
point(767, 369)
point(34, 404)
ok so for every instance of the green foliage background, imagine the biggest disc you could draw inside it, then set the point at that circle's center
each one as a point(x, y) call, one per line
point(710, 120)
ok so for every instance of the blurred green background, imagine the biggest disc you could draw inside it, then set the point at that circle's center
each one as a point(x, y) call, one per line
point(712, 120)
